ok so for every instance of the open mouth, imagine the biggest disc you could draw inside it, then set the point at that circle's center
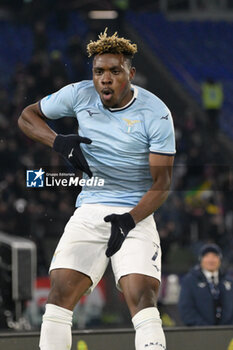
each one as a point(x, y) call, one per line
point(107, 94)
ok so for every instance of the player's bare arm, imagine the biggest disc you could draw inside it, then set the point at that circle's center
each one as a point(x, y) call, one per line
point(161, 171)
point(32, 123)
point(121, 225)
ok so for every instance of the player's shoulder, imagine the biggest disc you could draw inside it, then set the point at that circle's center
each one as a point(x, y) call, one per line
point(83, 85)
point(149, 101)
point(76, 88)
point(84, 91)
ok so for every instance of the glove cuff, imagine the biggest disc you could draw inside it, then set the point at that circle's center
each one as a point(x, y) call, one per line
point(58, 144)
point(128, 221)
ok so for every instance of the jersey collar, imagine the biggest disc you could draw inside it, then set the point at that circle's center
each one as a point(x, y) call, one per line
point(135, 95)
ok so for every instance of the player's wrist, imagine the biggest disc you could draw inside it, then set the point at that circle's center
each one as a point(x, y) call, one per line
point(128, 221)
point(135, 217)
point(58, 143)
point(62, 144)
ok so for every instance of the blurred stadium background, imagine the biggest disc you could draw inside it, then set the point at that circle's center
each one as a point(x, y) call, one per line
point(181, 44)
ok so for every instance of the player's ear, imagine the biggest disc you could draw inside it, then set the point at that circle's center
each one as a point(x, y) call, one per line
point(132, 73)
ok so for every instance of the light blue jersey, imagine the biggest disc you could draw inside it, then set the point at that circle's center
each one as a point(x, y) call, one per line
point(122, 139)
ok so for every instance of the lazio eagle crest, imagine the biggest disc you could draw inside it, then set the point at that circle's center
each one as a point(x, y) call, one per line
point(130, 123)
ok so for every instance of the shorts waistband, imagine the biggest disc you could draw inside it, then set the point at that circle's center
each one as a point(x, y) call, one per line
point(91, 205)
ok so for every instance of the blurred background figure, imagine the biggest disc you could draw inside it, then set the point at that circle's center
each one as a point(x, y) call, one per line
point(212, 99)
point(206, 293)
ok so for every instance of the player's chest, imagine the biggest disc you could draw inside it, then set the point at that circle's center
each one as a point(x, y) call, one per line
point(95, 122)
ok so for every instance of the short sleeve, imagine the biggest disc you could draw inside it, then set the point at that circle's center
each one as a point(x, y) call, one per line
point(59, 104)
point(160, 131)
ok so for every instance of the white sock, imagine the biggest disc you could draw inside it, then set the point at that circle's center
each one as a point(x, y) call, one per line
point(56, 328)
point(149, 332)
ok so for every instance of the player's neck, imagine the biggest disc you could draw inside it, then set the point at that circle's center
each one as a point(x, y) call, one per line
point(127, 102)
point(127, 99)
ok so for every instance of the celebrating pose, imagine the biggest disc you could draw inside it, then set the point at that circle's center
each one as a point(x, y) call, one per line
point(126, 137)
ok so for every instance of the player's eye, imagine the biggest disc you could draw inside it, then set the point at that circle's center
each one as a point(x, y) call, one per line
point(98, 71)
point(115, 71)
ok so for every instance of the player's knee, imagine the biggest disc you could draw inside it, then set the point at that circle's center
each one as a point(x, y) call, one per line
point(67, 288)
point(62, 294)
point(140, 292)
point(57, 296)
point(142, 298)
point(146, 298)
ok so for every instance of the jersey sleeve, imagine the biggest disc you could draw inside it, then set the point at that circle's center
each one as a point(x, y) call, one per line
point(59, 104)
point(160, 131)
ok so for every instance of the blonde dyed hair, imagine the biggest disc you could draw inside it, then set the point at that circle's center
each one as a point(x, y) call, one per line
point(111, 44)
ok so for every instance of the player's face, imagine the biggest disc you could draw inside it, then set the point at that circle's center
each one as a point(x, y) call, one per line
point(210, 262)
point(112, 76)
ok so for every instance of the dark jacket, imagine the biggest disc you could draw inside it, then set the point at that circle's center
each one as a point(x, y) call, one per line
point(196, 304)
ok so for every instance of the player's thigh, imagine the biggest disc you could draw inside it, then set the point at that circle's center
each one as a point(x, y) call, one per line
point(67, 287)
point(83, 244)
point(140, 253)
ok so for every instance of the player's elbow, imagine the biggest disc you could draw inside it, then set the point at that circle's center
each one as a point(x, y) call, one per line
point(162, 177)
point(163, 183)
point(26, 117)
point(22, 120)
point(167, 183)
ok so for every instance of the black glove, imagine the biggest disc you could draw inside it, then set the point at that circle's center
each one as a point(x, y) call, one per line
point(121, 225)
point(69, 147)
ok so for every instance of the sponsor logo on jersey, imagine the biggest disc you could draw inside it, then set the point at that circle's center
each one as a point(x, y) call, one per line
point(166, 117)
point(91, 113)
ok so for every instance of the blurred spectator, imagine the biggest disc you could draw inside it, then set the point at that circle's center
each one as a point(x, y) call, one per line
point(212, 99)
point(76, 51)
point(206, 296)
point(121, 6)
point(40, 36)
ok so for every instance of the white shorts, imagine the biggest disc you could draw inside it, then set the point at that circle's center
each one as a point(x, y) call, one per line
point(84, 242)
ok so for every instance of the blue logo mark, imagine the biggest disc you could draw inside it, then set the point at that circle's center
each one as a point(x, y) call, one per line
point(35, 178)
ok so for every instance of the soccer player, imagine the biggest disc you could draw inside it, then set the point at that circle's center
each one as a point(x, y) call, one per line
point(126, 136)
